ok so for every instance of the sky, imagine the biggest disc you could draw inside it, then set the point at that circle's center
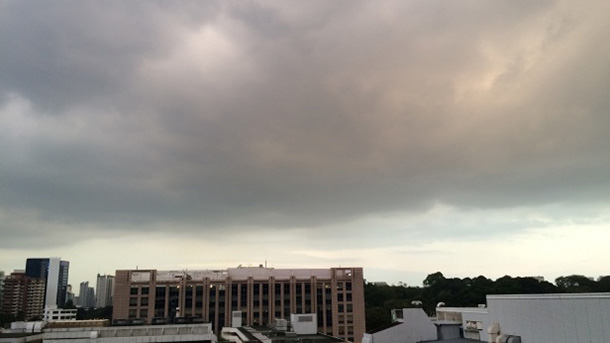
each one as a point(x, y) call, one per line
point(404, 137)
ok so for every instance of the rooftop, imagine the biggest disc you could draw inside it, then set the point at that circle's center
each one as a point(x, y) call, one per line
point(258, 334)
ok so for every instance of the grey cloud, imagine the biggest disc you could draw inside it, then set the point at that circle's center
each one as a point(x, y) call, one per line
point(250, 114)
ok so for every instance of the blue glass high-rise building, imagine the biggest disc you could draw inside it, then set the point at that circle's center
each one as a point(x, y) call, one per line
point(55, 272)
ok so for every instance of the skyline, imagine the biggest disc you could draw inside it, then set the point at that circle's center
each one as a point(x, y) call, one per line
point(402, 137)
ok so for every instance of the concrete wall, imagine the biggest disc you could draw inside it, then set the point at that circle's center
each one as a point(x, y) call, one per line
point(304, 324)
point(482, 317)
point(446, 332)
point(134, 334)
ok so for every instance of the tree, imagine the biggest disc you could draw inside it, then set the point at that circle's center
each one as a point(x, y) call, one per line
point(575, 284)
point(69, 304)
point(434, 279)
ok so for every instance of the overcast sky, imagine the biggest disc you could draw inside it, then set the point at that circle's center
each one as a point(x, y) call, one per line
point(406, 137)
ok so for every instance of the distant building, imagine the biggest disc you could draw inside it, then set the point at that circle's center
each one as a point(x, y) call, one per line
point(55, 272)
point(1, 283)
point(23, 296)
point(336, 295)
point(59, 314)
point(70, 295)
point(104, 290)
point(86, 296)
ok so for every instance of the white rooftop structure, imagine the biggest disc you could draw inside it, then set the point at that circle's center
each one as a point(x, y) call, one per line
point(540, 318)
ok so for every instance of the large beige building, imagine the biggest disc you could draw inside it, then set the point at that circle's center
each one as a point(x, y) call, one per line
point(261, 294)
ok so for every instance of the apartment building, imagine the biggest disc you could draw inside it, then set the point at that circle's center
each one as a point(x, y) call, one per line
point(23, 296)
point(262, 294)
point(104, 290)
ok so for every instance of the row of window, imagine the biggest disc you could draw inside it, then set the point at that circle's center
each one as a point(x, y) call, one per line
point(299, 288)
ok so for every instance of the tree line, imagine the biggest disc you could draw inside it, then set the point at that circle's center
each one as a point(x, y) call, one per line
point(466, 292)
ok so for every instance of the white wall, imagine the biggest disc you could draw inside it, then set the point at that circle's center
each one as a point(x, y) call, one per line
point(52, 282)
point(304, 324)
point(553, 318)
point(482, 317)
point(416, 327)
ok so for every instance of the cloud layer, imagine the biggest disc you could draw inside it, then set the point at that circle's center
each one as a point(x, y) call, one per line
point(216, 117)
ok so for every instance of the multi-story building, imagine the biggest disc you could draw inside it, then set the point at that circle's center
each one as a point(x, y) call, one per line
point(104, 290)
point(23, 297)
point(86, 296)
point(1, 283)
point(336, 295)
point(55, 272)
point(70, 295)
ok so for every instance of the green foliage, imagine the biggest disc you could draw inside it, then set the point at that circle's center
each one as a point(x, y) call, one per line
point(6, 319)
point(69, 305)
point(91, 313)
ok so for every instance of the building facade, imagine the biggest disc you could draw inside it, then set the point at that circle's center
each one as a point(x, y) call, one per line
point(336, 295)
point(23, 297)
point(55, 272)
point(1, 283)
point(86, 295)
point(104, 289)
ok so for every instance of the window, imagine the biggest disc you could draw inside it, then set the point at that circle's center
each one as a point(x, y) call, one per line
point(133, 290)
point(133, 313)
point(340, 308)
point(143, 301)
point(348, 296)
point(133, 301)
point(350, 308)
point(144, 313)
point(144, 290)
point(340, 297)
point(348, 286)
point(160, 302)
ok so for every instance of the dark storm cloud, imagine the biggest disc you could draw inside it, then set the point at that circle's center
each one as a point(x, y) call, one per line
point(302, 115)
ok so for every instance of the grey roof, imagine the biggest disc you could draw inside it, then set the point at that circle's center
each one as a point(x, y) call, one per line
point(455, 340)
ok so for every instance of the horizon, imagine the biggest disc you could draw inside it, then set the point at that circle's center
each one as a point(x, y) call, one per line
point(393, 282)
